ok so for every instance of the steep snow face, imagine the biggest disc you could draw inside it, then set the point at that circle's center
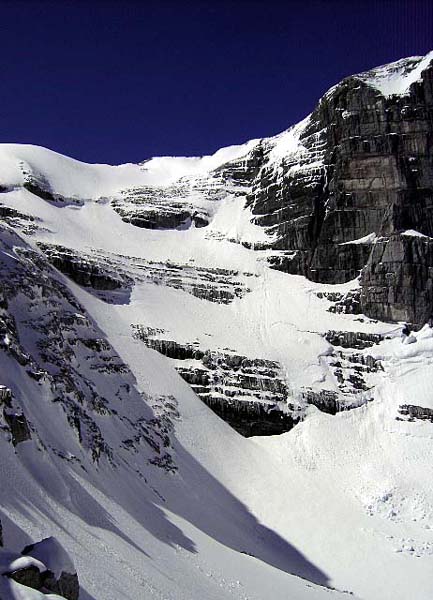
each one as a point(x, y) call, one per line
point(397, 77)
point(103, 465)
point(115, 338)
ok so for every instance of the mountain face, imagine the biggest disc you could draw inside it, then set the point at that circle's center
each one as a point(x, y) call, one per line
point(356, 188)
point(204, 391)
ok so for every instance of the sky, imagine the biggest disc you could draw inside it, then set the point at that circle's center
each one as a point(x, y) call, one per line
point(121, 81)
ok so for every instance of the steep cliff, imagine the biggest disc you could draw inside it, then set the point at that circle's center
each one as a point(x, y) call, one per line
point(361, 169)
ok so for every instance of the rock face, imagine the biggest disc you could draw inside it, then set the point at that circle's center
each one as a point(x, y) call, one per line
point(250, 394)
point(18, 425)
point(345, 193)
point(352, 339)
point(82, 269)
point(189, 201)
point(397, 282)
point(252, 418)
point(253, 394)
point(29, 576)
point(363, 169)
point(413, 412)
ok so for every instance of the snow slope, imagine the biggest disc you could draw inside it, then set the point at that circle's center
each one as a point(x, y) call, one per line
point(72, 178)
point(342, 504)
point(396, 78)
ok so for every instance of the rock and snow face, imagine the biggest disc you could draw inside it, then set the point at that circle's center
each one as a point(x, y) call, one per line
point(362, 170)
point(134, 298)
point(38, 571)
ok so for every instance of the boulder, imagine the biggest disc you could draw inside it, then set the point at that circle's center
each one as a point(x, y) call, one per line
point(29, 576)
point(18, 426)
point(61, 577)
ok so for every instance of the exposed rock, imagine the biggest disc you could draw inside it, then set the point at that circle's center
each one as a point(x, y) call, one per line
point(189, 201)
point(326, 400)
point(38, 185)
point(171, 348)
point(251, 418)
point(160, 207)
point(353, 339)
point(110, 276)
point(5, 396)
point(26, 223)
point(60, 577)
point(83, 269)
point(176, 218)
point(29, 576)
point(416, 412)
point(35, 188)
point(66, 585)
point(56, 344)
point(363, 169)
point(349, 303)
point(217, 285)
point(7, 213)
point(397, 283)
point(18, 426)
point(250, 394)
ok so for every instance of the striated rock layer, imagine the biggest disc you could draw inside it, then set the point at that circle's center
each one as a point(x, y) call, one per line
point(362, 169)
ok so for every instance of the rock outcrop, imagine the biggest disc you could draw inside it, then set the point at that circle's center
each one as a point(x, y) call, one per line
point(83, 269)
point(18, 426)
point(60, 576)
point(249, 393)
point(253, 394)
point(412, 412)
point(362, 169)
point(29, 576)
point(44, 566)
point(353, 339)
point(397, 282)
point(188, 202)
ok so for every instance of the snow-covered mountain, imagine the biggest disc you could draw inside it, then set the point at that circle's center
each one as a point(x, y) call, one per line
point(204, 389)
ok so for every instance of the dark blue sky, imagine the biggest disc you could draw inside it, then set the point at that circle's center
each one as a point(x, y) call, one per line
point(121, 81)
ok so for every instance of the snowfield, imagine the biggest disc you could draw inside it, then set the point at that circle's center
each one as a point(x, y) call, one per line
point(340, 506)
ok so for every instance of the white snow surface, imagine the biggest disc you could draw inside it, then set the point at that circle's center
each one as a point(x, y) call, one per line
point(366, 239)
point(74, 179)
point(397, 77)
point(413, 233)
point(339, 505)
